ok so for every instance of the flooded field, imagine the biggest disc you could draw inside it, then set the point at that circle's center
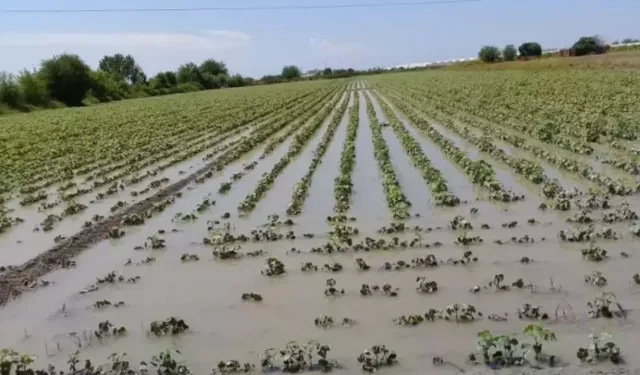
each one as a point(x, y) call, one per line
point(354, 213)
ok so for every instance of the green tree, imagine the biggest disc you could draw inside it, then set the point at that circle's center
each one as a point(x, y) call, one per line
point(327, 72)
point(214, 67)
point(34, 89)
point(588, 45)
point(124, 67)
point(291, 72)
point(107, 86)
point(236, 80)
point(10, 93)
point(164, 80)
point(489, 54)
point(189, 73)
point(67, 77)
point(509, 53)
point(530, 49)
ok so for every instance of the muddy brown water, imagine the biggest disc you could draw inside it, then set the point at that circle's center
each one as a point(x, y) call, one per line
point(207, 293)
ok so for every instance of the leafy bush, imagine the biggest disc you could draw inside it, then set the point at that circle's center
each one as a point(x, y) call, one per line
point(530, 49)
point(34, 89)
point(489, 54)
point(509, 53)
point(106, 86)
point(588, 45)
point(67, 77)
point(291, 72)
point(10, 91)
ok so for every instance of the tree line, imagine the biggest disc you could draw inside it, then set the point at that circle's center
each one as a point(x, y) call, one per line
point(586, 45)
point(66, 80)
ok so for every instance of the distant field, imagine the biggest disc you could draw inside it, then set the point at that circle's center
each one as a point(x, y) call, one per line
point(424, 207)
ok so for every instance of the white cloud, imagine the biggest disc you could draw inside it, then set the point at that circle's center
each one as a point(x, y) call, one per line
point(206, 39)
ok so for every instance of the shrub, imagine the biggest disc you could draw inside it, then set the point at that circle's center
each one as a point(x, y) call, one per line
point(106, 86)
point(530, 49)
point(10, 93)
point(67, 77)
point(291, 72)
point(509, 53)
point(489, 54)
point(34, 89)
point(588, 45)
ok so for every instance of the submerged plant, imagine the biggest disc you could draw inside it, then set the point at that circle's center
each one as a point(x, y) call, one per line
point(377, 357)
point(171, 326)
point(600, 349)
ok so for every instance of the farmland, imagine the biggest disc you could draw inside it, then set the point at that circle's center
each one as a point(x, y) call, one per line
point(412, 210)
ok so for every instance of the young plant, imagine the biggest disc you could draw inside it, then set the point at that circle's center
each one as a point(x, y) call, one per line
point(539, 335)
point(600, 349)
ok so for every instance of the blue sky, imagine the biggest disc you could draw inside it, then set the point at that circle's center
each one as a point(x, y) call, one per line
point(261, 42)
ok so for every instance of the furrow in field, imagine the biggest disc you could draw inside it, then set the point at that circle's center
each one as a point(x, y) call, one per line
point(321, 189)
point(530, 170)
point(566, 144)
point(299, 142)
point(408, 177)
point(480, 172)
point(296, 119)
point(368, 197)
point(570, 163)
point(301, 188)
point(396, 199)
point(406, 144)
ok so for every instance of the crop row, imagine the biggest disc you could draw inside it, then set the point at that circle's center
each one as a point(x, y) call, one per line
point(300, 140)
point(396, 200)
point(299, 115)
point(580, 169)
point(300, 190)
point(479, 171)
point(69, 139)
point(431, 175)
point(297, 125)
point(343, 186)
point(531, 170)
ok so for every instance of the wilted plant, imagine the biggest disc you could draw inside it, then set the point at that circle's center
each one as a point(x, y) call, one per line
point(594, 253)
point(106, 303)
point(459, 222)
point(333, 267)
point(133, 219)
point(274, 267)
point(331, 288)
point(377, 357)
point(189, 257)
point(362, 265)
point(155, 242)
point(171, 326)
point(226, 252)
point(596, 278)
point(426, 286)
point(601, 306)
point(255, 297)
point(534, 312)
point(106, 329)
point(600, 349)
point(167, 365)
point(636, 279)
point(232, 367)
point(308, 267)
